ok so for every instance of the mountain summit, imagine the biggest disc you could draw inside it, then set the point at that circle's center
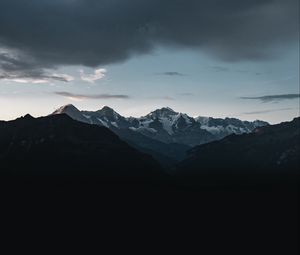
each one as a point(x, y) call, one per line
point(72, 112)
point(163, 112)
point(108, 112)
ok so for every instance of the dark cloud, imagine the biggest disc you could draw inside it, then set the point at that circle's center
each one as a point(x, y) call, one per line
point(83, 96)
point(16, 61)
point(20, 68)
point(274, 98)
point(268, 111)
point(172, 74)
point(96, 32)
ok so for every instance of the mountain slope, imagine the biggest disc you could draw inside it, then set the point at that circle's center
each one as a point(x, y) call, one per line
point(58, 144)
point(268, 149)
point(166, 154)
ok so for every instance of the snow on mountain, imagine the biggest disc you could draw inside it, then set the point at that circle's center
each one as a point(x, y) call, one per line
point(170, 120)
point(73, 112)
point(165, 125)
point(223, 127)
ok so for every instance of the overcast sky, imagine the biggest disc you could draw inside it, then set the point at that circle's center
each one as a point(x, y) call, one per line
point(202, 57)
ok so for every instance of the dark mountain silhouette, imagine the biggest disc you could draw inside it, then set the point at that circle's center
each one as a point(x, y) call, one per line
point(268, 150)
point(60, 145)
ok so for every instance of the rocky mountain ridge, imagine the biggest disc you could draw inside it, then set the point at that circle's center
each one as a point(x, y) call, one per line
point(165, 125)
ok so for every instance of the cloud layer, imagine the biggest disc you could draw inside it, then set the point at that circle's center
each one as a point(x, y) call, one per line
point(80, 97)
point(95, 32)
point(268, 111)
point(18, 67)
point(274, 98)
point(173, 73)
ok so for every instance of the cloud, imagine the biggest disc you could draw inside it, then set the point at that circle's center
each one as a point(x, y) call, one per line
point(98, 74)
point(268, 111)
point(35, 78)
point(17, 67)
point(97, 32)
point(79, 97)
point(273, 98)
point(172, 74)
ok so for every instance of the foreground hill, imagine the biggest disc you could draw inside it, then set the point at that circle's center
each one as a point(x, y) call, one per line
point(270, 149)
point(60, 145)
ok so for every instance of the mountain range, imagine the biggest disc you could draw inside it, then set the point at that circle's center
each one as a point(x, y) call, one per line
point(59, 145)
point(165, 134)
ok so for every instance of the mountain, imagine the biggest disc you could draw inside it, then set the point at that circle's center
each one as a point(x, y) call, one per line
point(269, 149)
point(72, 112)
point(221, 128)
point(165, 125)
point(57, 144)
point(168, 126)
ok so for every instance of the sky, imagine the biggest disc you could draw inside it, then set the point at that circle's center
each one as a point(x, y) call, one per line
point(204, 58)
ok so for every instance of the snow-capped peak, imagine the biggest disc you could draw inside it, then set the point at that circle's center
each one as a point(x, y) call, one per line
point(167, 109)
point(72, 112)
point(66, 109)
point(106, 108)
point(165, 124)
point(108, 112)
point(162, 113)
point(260, 123)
